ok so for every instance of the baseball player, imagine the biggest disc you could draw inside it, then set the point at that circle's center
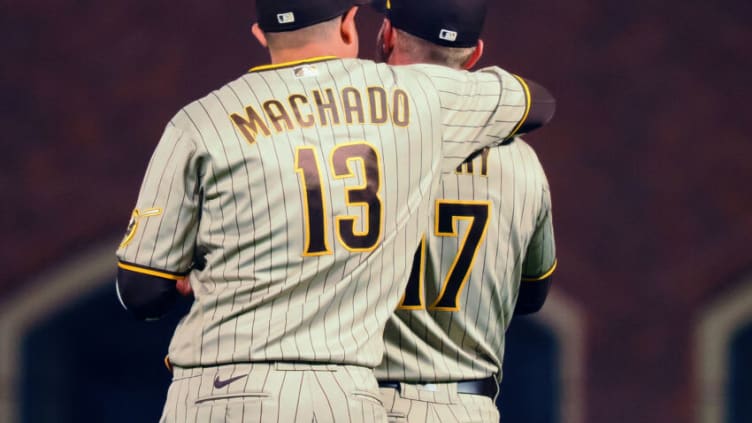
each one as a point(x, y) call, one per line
point(491, 240)
point(295, 196)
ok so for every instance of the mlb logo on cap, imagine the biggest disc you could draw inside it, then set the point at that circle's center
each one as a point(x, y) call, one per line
point(286, 18)
point(448, 35)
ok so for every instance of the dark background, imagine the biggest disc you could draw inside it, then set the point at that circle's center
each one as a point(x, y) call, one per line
point(648, 155)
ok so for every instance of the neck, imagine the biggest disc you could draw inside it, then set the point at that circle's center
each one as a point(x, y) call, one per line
point(397, 58)
point(302, 53)
point(401, 58)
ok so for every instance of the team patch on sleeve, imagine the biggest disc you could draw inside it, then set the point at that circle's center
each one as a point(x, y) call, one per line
point(136, 217)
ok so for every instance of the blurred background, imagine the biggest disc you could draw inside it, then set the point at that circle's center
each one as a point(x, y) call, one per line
point(648, 157)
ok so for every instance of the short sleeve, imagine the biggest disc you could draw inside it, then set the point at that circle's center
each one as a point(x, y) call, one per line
point(161, 234)
point(477, 108)
point(540, 259)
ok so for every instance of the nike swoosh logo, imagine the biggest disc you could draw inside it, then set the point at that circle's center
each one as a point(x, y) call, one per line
point(219, 384)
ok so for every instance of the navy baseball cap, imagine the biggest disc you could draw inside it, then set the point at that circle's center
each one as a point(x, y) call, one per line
point(289, 15)
point(449, 23)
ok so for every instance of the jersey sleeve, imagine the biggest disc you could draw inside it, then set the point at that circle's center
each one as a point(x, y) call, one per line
point(540, 258)
point(477, 109)
point(162, 230)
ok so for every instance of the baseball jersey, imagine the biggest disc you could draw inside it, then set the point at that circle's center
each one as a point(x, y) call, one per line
point(491, 229)
point(306, 185)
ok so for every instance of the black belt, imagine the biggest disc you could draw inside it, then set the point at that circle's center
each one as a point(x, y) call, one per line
point(486, 387)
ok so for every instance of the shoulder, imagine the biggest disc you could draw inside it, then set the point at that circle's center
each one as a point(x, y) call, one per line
point(525, 155)
point(518, 143)
point(204, 112)
point(437, 74)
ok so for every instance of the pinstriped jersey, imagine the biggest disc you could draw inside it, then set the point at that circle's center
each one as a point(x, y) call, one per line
point(491, 229)
point(306, 188)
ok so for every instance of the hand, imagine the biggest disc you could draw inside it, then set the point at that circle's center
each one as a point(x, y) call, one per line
point(184, 287)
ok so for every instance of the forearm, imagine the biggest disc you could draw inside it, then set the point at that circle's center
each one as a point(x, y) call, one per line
point(147, 297)
point(532, 296)
point(541, 110)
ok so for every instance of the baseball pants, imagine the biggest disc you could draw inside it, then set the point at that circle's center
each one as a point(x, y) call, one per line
point(437, 403)
point(274, 392)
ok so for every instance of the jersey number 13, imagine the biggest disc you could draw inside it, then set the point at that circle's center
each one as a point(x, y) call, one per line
point(344, 160)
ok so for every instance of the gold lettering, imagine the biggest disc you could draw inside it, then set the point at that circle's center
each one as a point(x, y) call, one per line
point(400, 108)
point(329, 107)
point(295, 100)
point(484, 161)
point(377, 104)
point(276, 112)
point(352, 103)
point(467, 167)
point(250, 127)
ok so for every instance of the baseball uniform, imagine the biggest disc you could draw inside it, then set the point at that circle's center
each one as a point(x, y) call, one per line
point(491, 226)
point(312, 183)
point(491, 230)
point(305, 186)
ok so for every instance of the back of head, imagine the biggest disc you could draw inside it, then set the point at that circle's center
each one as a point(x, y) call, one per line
point(292, 15)
point(436, 31)
point(295, 23)
point(447, 23)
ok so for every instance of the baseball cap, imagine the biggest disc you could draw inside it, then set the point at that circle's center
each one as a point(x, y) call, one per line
point(289, 15)
point(449, 23)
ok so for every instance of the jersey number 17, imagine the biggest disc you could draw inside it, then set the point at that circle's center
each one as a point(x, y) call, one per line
point(447, 215)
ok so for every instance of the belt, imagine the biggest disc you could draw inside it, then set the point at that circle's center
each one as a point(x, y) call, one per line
point(486, 387)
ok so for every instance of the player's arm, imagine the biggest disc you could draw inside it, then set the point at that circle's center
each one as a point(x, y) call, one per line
point(540, 262)
point(533, 293)
point(542, 107)
point(150, 294)
point(485, 107)
point(158, 249)
point(146, 296)
point(522, 105)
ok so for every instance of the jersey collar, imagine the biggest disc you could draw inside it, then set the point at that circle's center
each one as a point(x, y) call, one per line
point(293, 63)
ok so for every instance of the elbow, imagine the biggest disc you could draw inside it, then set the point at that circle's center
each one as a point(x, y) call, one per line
point(522, 308)
point(532, 296)
point(542, 107)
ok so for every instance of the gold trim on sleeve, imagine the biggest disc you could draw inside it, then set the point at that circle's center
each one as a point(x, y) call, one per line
point(527, 106)
point(149, 272)
point(544, 276)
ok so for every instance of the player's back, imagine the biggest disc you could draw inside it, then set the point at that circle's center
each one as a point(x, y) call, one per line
point(460, 299)
point(314, 180)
